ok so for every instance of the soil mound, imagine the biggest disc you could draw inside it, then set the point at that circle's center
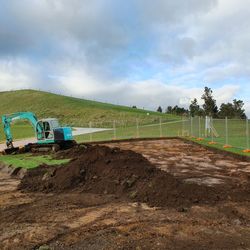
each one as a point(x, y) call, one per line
point(124, 173)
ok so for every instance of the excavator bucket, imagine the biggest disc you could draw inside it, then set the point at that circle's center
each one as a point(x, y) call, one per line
point(9, 151)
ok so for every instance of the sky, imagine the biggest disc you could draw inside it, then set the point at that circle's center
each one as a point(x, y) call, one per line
point(134, 52)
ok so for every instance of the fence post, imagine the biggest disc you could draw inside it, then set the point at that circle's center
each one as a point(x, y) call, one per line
point(160, 128)
point(211, 126)
point(90, 134)
point(247, 134)
point(182, 129)
point(199, 127)
point(166, 131)
point(137, 128)
point(206, 121)
point(191, 127)
point(226, 131)
point(114, 130)
point(226, 128)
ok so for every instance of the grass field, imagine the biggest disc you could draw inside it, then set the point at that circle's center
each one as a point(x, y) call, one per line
point(70, 111)
point(19, 131)
point(236, 132)
point(168, 129)
point(74, 111)
point(235, 150)
point(29, 160)
point(124, 122)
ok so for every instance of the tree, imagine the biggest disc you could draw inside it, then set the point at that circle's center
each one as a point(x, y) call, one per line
point(232, 110)
point(226, 110)
point(169, 109)
point(159, 109)
point(176, 110)
point(209, 106)
point(194, 108)
point(239, 112)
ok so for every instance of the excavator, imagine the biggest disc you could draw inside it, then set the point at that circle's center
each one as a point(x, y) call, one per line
point(49, 134)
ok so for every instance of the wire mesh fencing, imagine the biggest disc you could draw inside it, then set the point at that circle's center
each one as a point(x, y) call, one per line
point(224, 132)
point(122, 129)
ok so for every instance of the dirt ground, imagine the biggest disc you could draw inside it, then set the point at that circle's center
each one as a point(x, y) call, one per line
point(84, 219)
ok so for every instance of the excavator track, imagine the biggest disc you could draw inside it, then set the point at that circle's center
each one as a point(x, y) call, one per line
point(37, 147)
point(53, 147)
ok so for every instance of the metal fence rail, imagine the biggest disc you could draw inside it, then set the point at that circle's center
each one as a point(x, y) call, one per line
point(225, 132)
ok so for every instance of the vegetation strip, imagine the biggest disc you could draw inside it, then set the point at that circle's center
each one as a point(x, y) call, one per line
point(30, 161)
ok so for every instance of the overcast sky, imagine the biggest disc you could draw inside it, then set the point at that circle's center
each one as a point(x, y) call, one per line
point(134, 52)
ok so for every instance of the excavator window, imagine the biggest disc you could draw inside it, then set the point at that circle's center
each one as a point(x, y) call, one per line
point(47, 131)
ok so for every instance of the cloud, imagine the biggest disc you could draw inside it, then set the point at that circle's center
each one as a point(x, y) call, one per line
point(164, 12)
point(148, 93)
point(135, 52)
point(16, 74)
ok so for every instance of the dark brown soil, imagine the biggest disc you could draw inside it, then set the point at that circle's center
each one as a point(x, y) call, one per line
point(97, 208)
point(125, 174)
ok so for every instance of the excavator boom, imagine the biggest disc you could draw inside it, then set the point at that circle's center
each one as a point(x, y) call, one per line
point(8, 119)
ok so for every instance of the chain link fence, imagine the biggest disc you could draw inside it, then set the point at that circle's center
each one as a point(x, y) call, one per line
point(225, 132)
point(228, 133)
point(122, 129)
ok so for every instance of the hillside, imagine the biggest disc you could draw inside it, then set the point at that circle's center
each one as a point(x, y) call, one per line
point(73, 111)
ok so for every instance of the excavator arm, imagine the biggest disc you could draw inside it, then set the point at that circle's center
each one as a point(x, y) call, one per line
point(8, 119)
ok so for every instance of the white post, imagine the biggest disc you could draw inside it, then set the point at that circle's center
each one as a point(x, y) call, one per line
point(160, 128)
point(199, 127)
point(114, 130)
point(212, 125)
point(226, 127)
point(206, 125)
point(182, 133)
point(191, 126)
point(90, 134)
point(247, 133)
point(166, 131)
point(137, 128)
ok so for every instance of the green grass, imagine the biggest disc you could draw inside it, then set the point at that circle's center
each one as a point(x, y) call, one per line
point(236, 131)
point(70, 111)
point(169, 129)
point(74, 111)
point(236, 135)
point(79, 112)
point(19, 131)
point(30, 161)
point(220, 146)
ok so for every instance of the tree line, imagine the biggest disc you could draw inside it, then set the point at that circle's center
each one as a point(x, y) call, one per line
point(209, 108)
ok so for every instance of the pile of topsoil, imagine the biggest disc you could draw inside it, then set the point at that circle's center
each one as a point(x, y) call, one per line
point(126, 174)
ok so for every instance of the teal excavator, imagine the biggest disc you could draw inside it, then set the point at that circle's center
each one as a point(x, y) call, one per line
point(49, 134)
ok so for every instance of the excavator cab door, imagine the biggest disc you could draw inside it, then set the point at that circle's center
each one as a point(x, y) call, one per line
point(39, 131)
point(46, 129)
point(46, 133)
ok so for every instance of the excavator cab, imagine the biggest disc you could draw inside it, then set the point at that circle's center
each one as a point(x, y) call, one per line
point(48, 126)
point(51, 131)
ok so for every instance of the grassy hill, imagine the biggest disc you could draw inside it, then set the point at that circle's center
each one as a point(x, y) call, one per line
point(73, 111)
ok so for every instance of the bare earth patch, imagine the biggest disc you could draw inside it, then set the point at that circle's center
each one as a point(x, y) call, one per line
point(73, 219)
